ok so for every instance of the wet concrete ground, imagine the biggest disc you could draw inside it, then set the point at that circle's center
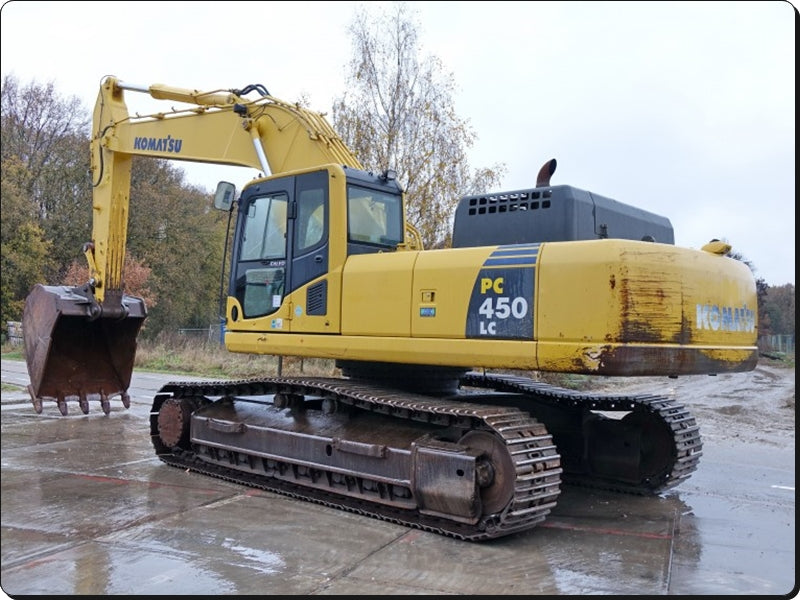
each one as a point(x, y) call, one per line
point(88, 509)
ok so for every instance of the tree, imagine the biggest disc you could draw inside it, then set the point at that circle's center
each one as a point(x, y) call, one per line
point(175, 241)
point(399, 114)
point(174, 231)
point(779, 304)
point(24, 251)
point(765, 316)
point(48, 136)
point(136, 281)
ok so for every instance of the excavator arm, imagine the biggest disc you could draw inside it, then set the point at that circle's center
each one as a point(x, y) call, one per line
point(80, 342)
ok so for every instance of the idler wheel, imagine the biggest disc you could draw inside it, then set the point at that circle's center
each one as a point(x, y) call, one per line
point(498, 472)
point(174, 417)
point(656, 447)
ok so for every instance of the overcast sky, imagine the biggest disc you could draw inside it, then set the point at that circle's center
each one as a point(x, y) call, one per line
point(685, 109)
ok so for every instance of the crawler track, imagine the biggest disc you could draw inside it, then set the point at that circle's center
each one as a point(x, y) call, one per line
point(654, 448)
point(533, 475)
point(547, 435)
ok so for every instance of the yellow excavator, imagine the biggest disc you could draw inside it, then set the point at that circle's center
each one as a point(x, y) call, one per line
point(429, 424)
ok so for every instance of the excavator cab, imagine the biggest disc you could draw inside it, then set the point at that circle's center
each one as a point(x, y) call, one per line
point(78, 349)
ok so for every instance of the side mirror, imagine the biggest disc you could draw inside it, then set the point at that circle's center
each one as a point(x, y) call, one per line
point(223, 198)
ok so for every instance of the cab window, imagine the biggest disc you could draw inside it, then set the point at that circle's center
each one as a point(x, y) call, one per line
point(311, 218)
point(374, 217)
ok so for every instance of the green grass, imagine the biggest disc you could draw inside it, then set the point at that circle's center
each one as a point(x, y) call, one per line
point(13, 352)
point(202, 358)
point(209, 359)
point(778, 359)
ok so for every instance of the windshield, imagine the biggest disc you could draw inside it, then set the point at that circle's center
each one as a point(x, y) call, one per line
point(264, 235)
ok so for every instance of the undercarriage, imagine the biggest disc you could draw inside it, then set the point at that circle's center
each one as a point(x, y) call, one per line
point(485, 462)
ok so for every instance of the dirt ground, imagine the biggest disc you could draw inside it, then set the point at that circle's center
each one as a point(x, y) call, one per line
point(760, 402)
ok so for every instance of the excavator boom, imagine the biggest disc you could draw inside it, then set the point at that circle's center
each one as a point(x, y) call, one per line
point(266, 134)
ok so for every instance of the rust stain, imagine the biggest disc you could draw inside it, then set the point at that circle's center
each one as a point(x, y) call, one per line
point(670, 361)
point(645, 312)
point(684, 335)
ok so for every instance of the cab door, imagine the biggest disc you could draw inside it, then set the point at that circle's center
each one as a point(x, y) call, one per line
point(281, 244)
point(308, 232)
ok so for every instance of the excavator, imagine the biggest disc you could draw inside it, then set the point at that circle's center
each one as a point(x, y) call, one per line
point(437, 417)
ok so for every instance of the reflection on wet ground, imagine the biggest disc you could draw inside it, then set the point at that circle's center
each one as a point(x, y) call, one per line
point(87, 509)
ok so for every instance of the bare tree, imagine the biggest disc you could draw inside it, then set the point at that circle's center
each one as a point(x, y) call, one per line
point(398, 113)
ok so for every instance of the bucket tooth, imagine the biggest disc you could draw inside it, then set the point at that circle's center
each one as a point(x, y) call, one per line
point(62, 405)
point(37, 402)
point(84, 402)
point(104, 403)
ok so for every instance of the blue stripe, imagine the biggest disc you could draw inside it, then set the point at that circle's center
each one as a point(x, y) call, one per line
point(519, 247)
point(498, 254)
point(508, 261)
point(513, 254)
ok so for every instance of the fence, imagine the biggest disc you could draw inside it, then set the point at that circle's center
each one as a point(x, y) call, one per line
point(777, 343)
point(213, 333)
